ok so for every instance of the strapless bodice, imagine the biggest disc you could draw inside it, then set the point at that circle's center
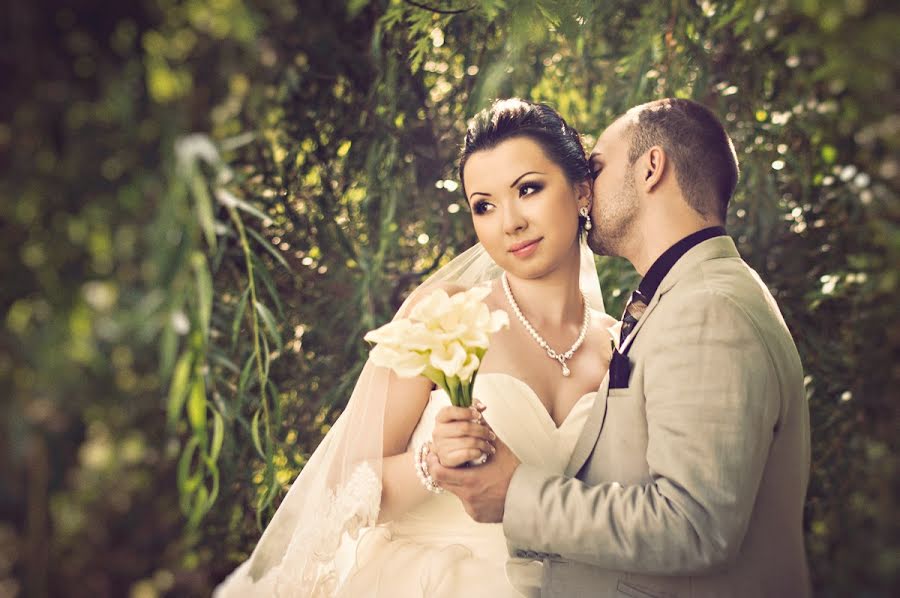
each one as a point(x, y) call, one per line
point(519, 418)
point(517, 415)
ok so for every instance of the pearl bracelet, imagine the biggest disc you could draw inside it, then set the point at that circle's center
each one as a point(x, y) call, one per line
point(422, 469)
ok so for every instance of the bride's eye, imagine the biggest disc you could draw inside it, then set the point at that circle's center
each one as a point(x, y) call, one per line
point(481, 207)
point(529, 189)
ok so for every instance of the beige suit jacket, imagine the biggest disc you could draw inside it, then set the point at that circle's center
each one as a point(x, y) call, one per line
point(691, 481)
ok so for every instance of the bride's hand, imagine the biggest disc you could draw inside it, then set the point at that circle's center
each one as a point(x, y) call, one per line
point(461, 435)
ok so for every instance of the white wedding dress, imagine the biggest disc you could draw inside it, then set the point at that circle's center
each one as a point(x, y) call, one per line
point(436, 549)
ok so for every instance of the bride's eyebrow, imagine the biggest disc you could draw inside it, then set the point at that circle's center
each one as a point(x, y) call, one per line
point(514, 183)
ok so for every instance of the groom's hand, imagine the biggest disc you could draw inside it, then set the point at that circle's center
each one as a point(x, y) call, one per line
point(482, 489)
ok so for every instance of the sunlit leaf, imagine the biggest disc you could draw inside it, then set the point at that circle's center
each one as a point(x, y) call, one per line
point(178, 387)
point(196, 407)
point(218, 437)
point(254, 434)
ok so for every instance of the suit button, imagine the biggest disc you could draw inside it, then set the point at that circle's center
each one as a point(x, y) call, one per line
point(521, 554)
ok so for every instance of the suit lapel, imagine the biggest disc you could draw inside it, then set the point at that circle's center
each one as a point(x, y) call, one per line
point(591, 430)
point(594, 423)
point(717, 247)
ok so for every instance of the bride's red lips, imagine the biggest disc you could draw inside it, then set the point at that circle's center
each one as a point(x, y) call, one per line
point(524, 244)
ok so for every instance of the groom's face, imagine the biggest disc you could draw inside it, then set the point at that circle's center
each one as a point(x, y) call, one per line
point(616, 205)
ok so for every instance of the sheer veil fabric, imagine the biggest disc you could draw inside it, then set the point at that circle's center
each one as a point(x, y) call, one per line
point(338, 492)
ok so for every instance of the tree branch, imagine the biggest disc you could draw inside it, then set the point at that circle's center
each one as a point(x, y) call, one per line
point(440, 11)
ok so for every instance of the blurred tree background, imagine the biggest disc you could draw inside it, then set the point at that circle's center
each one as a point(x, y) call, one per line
point(207, 202)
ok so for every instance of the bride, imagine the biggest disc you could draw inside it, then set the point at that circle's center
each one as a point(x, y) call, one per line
point(362, 519)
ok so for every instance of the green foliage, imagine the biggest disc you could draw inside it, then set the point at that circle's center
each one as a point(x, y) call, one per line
point(183, 313)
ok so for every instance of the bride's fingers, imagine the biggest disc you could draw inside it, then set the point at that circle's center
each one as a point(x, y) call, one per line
point(449, 447)
point(462, 430)
point(452, 414)
point(461, 457)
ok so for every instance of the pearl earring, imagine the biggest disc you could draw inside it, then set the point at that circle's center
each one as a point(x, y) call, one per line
point(587, 218)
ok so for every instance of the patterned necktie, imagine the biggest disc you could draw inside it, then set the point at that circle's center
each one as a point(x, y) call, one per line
point(633, 312)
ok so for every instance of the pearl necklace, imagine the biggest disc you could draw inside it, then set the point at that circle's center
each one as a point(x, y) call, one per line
point(560, 357)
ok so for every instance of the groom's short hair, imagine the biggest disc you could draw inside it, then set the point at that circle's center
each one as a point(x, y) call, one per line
point(706, 166)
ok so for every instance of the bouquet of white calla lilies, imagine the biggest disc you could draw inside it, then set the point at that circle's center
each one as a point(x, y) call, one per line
point(443, 339)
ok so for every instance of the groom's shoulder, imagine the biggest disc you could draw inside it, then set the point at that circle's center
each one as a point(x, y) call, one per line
point(730, 276)
point(733, 282)
point(728, 280)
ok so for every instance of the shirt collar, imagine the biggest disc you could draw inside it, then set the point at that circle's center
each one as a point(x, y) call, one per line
point(664, 262)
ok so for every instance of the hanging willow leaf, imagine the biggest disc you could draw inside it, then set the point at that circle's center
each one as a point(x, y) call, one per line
point(216, 355)
point(245, 375)
point(229, 199)
point(271, 492)
point(168, 348)
point(212, 469)
point(254, 433)
point(178, 388)
point(265, 499)
point(187, 483)
point(198, 506)
point(262, 273)
point(278, 404)
point(196, 408)
point(204, 207)
point(270, 248)
point(204, 291)
point(238, 316)
point(270, 324)
point(218, 437)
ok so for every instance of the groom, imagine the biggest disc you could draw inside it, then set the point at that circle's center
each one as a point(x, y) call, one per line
point(690, 475)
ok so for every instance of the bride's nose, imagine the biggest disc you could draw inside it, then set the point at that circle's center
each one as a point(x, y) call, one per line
point(513, 219)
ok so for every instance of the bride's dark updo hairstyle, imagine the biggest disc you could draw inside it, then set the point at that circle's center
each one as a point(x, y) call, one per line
point(514, 117)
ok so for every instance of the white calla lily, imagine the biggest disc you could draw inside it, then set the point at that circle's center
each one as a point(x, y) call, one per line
point(444, 339)
point(449, 359)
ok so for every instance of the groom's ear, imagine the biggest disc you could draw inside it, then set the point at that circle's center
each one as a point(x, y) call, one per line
point(652, 166)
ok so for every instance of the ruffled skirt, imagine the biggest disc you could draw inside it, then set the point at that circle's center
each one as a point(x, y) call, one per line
point(391, 563)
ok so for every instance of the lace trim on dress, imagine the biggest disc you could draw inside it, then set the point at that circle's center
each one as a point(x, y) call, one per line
point(310, 560)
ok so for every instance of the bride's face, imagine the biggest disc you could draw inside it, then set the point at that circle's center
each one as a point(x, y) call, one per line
point(524, 209)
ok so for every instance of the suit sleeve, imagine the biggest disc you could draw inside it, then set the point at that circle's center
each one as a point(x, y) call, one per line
point(711, 406)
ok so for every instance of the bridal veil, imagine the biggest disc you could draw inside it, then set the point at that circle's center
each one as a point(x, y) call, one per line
point(338, 492)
